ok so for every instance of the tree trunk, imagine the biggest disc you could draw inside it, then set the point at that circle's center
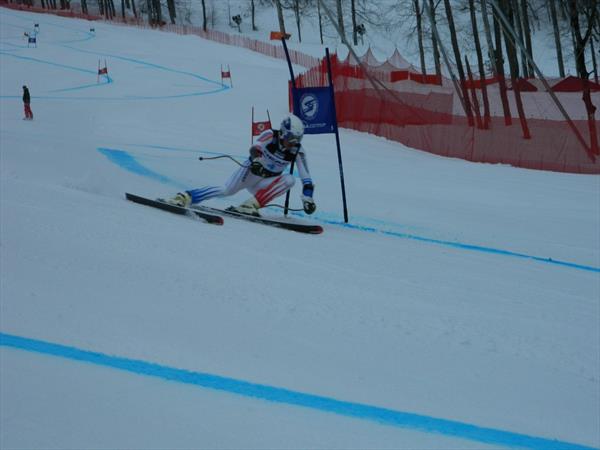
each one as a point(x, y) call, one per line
point(133, 8)
point(158, 12)
point(320, 21)
point(484, 94)
point(594, 60)
point(280, 16)
point(252, 7)
point(434, 43)
point(419, 16)
point(512, 7)
point(151, 15)
point(511, 53)
point(488, 35)
point(499, 61)
point(354, 33)
point(580, 43)
point(527, 33)
point(172, 11)
point(458, 61)
point(297, 15)
point(340, 17)
point(473, 94)
point(204, 15)
point(559, 55)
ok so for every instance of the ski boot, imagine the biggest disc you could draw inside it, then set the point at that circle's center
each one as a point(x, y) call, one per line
point(250, 207)
point(182, 199)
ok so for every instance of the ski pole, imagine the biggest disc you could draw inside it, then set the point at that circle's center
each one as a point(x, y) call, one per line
point(205, 158)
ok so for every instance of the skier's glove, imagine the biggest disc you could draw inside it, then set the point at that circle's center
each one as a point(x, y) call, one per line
point(308, 204)
point(255, 152)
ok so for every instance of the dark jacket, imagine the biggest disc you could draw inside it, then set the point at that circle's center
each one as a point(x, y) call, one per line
point(26, 97)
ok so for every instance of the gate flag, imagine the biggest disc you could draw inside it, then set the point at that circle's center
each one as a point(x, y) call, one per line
point(314, 107)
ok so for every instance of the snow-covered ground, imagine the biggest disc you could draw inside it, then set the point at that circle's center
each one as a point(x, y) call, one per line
point(459, 308)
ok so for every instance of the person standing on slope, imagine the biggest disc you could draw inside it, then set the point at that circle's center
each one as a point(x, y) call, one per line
point(26, 104)
point(262, 173)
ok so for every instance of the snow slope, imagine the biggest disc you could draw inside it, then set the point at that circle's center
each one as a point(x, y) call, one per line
point(459, 308)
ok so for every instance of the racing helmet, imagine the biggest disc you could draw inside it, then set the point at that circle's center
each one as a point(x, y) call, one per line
point(292, 129)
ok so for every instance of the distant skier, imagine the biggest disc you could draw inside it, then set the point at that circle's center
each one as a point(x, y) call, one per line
point(26, 104)
point(262, 173)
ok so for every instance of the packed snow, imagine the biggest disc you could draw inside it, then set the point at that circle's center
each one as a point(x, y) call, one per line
point(458, 308)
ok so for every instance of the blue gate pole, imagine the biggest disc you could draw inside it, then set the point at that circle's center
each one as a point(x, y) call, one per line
point(337, 136)
point(287, 56)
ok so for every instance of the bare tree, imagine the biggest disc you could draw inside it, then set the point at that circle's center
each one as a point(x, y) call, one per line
point(280, 16)
point(559, 54)
point(171, 9)
point(511, 53)
point(594, 61)
point(589, 9)
point(320, 20)
point(354, 25)
point(488, 34)
point(516, 23)
point(434, 42)
point(499, 62)
point(458, 61)
point(297, 16)
point(419, 15)
point(527, 33)
point(111, 7)
point(484, 94)
point(340, 17)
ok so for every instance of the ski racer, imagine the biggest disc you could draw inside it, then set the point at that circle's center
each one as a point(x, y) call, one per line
point(262, 173)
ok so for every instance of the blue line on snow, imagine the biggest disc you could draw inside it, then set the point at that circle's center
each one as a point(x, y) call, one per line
point(151, 65)
point(471, 247)
point(400, 419)
point(128, 162)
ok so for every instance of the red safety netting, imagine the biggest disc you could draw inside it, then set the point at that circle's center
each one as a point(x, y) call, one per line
point(424, 112)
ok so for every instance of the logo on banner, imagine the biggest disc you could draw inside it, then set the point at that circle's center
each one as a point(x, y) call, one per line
point(309, 104)
point(314, 106)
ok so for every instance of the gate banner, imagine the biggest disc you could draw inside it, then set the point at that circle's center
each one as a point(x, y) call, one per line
point(314, 107)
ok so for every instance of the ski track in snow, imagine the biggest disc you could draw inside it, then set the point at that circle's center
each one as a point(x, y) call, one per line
point(128, 162)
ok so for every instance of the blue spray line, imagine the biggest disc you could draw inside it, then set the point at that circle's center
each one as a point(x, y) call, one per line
point(129, 163)
point(462, 246)
point(399, 419)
